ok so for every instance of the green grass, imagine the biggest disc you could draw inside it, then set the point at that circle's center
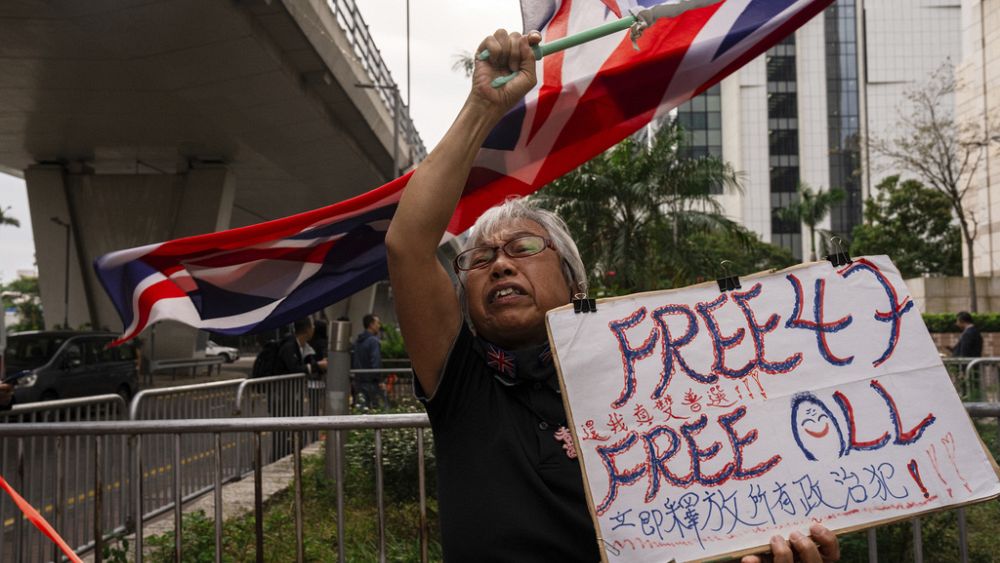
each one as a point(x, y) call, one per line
point(399, 453)
point(320, 527)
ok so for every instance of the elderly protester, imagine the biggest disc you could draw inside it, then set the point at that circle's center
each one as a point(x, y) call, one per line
point(507, 489)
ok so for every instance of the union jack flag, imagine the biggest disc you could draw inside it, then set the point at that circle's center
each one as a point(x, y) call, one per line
point(500, 360)
point(588, 98)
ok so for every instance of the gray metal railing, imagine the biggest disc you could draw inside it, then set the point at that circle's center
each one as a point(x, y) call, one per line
point(354, 26)
point(157, 472)
point(975, 379)
point(42, 469)
point(58, 495)
point(174, 364)
point(277, 396)
point(975, 410)
point(138, 431)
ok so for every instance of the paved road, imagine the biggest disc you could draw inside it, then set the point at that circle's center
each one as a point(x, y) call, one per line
point(240, 368)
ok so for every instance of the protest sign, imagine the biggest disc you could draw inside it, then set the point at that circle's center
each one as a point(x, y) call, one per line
point(709, 421)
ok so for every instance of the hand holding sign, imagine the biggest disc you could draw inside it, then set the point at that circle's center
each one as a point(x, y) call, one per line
point(708, 421)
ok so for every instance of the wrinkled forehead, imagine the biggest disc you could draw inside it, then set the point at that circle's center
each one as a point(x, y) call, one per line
point(498, 232)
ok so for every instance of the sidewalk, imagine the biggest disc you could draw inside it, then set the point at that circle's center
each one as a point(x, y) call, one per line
point(237, 498)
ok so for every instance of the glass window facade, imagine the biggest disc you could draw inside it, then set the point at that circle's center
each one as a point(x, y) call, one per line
point(701, 118)
point(783, 142)
point(842, 113)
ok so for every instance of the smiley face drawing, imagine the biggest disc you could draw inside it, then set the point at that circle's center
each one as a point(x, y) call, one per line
point(814, 418)
point(815, 429)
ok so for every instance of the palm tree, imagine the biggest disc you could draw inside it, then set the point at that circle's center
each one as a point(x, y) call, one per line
point(810, 208)
point(6, 219)
point(634, 209)
point(464, 63)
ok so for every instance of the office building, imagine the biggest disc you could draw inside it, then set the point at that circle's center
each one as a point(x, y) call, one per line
point(799, 113)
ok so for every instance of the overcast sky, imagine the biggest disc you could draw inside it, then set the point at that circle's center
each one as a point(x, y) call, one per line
point(439, 29)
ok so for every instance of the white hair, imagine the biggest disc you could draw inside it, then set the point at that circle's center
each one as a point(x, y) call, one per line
point(516, 208)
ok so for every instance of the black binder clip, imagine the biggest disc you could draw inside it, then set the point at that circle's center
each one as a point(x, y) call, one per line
point(727, 282)
point(583, 305)
point(838, 258)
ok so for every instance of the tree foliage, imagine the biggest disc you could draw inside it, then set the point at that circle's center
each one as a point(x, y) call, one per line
point(942, 151)
point(644, 217)
point(392, 342)
point(914, 225)
point(810, 208)
point(24, 296)
point(7, 219)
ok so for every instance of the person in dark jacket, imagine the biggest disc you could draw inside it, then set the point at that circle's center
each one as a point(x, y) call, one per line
point(285, 397)
point(368, 355)
point(292, 356)
point(970, 344)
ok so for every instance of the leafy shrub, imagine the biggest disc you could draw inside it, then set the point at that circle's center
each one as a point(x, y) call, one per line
point(392, 342)
point(197, 539)
point(945, 322)
point(399, 463)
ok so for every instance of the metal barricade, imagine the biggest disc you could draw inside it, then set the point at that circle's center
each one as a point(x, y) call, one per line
point(975, 379)
point(277, 396)
point(140, 432)
point(160, 482)
point(181, 431)
point(976, 411)
point(45, 470)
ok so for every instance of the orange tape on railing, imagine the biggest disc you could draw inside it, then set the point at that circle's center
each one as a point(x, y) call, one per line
point(38, 521)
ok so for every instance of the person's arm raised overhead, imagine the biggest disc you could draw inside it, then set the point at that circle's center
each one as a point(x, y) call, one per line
point(426, 305)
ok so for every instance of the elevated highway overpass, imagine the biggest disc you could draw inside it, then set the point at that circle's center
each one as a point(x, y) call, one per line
point(136, 121)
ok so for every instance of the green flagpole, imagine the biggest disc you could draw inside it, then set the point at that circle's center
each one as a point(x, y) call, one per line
point(565, 43)
point(644, 19)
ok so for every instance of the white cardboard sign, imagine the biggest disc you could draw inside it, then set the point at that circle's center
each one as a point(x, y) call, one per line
point(708, 422)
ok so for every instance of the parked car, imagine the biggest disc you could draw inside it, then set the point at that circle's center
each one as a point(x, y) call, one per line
point(49, 365)
point(228, 352)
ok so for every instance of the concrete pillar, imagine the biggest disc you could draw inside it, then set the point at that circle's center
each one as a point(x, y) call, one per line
point(113, 211)
point(47, 199)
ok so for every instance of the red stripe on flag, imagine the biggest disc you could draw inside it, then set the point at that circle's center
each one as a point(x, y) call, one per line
point(171, 270)
point(493, 188)
point(313, 254)
point(165, 289)
point(613, 6)
point(552, 66)
point(197, 246)
point(617, 103)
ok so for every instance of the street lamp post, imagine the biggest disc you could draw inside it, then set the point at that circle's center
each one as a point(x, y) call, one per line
point(396, 103)
point(66, 226)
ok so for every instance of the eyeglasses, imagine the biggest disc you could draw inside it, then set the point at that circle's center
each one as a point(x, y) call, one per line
point(482, 256)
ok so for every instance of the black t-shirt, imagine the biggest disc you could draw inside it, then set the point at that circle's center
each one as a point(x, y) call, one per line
point(507, 490)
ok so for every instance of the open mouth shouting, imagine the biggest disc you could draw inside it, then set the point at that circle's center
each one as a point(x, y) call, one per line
point(505, 293)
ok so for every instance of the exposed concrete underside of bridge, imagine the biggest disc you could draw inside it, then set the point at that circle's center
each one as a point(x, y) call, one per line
point(137, 121)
